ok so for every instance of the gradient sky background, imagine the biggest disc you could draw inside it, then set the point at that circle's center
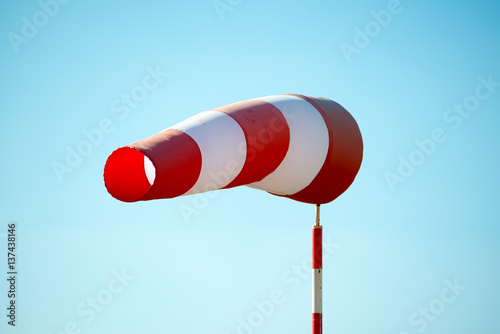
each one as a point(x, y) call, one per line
point(391, 250)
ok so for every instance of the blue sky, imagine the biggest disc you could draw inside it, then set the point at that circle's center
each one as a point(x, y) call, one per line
point(413, 244)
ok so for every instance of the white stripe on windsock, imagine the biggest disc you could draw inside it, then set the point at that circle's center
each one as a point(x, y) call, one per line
point(222, 145)
point(309, 144)
point(317, 306)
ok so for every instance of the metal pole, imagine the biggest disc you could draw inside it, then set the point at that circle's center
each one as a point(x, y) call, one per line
point(317, 281)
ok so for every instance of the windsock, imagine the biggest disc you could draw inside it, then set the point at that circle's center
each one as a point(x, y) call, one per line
point(305, 148)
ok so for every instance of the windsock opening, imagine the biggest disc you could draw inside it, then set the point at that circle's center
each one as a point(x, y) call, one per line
point(128, 174)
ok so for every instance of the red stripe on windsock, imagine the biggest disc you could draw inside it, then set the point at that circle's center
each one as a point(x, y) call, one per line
point(344, 156)
point(124, 175)
point(177, 161)
point(317, 323)
point(267, 138)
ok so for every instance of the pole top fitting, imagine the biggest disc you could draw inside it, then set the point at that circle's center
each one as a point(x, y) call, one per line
point(317, 217)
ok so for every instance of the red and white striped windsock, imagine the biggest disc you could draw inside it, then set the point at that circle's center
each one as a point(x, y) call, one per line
point(305, 148)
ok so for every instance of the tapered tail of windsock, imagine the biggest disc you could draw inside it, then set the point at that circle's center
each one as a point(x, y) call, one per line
point(305, 148)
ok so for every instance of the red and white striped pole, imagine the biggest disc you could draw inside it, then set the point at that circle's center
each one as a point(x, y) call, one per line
point(317, 281)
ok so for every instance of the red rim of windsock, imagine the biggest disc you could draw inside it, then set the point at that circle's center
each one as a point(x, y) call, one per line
point(305, 148)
